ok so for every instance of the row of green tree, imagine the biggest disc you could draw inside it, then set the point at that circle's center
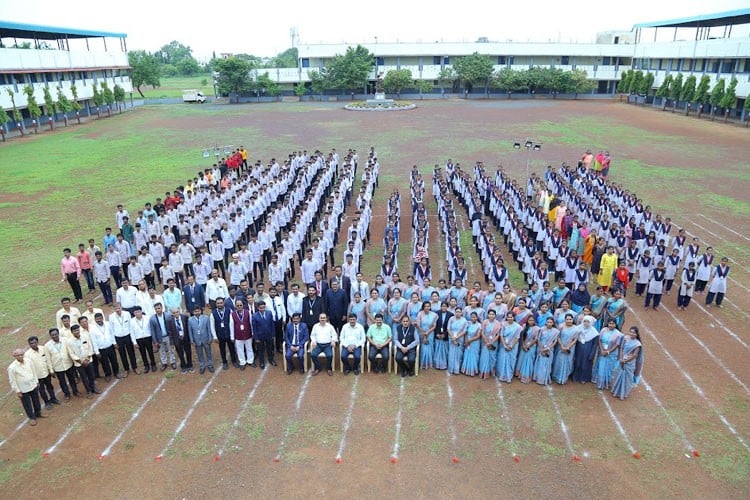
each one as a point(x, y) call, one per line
point(350, 72)
point(689, 91)
point(176, 59)
point(58, 104)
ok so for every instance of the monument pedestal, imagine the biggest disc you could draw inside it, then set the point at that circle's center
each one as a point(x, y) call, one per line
point(380, 100)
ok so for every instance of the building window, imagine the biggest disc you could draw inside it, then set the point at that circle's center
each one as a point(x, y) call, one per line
point(715, 66)
point(565, 60)
point(606, 61)
point(446, 60)
point(305, 62)
point(727, 66)
point(510, 60)
point(501, 60)
point(380, 61)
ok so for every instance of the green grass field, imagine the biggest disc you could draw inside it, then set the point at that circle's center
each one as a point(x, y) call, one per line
point(173, 86)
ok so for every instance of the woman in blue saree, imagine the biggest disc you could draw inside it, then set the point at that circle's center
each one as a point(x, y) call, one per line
point(630, 364)
point(548, 336)
point(507, 355)
point(527, 351)
point(615, 309)
point(562, 366)
point(488, 355)
point(607, 355)
point(470, 363)
point(457, 327)
point(426, 321)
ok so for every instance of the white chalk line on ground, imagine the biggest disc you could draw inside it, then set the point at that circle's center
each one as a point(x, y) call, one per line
point(244, 406)
point(19, 328)
point(506, 416)
point(675, 427)
point(25, 420)
point(187, 416)
point(135, 415)
point(75, 423)
point(293, 418)
point(724, 227)
point(708, 351)
point(695, 386)
point(451, 416)
point(616, 420)
point(397, 437)
point(718, 237)
point(563, 427)
point(721, 325)
point(347, 420)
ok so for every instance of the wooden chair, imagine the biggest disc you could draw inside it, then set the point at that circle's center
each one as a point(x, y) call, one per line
point(304, 356)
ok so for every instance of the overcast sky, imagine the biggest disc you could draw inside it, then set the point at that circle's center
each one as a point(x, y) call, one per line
point(263, 28)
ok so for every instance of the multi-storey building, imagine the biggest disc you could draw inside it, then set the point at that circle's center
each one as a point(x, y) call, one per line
point(46, 56)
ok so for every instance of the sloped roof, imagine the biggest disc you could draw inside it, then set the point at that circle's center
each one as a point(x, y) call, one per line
point(19, 30)
point(732, 17)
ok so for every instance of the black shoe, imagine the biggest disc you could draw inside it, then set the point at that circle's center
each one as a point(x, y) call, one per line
point(163, 367)
point(289, 372)
point(174, 366)
point(262, 366)
point(273, 363)
point(210, 369)
point(347, 371)
point(202, 371)
point(403, 373)
point(356, 371)
point(146, 369)
point(153, 367)
point(225, 366)
point(235, 364)
point(302, 371)
point(411, 373)
point(96, 391)
point(242, 367)
point(252, 364)
point(55, 401)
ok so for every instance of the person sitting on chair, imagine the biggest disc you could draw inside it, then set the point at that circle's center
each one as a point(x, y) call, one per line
point(352, 339)
point(406, 340)
point(380, 340)
point(296, 336)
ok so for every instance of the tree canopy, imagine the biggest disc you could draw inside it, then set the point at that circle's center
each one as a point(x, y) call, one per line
point(350, 70)
point(397, 80)
point(474, 69)
point(145, 69)
point(234, 76)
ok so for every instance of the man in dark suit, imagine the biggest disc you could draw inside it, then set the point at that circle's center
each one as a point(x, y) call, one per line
point(441, 329)
point(337, 304)
point(177, 326)
point(296, 335)
point(312, 307)
point(320, 285)
point(345, 282)
point(194, 295)
point(405, 339)
point(263, 333)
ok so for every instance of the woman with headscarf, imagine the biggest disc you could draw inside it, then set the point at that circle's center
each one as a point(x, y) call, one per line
point(585, 351)
point(630, 365)
point(580, 298)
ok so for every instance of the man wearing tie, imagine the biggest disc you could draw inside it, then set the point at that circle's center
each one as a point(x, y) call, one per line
point(241, 333)
point(194, 295)
point(296, 336)
point(263, 334)
point(177, 326)
point(221, 330)
point(406, 340)
point(160, 336)
point(201, 338)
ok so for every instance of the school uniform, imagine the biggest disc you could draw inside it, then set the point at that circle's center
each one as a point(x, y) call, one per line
point(718, 285)
point(655, 287)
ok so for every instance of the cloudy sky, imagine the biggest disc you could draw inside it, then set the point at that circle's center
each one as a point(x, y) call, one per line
point(264, 28)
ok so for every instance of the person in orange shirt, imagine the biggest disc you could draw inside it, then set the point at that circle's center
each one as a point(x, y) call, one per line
point(622, 277)
point(87, 268)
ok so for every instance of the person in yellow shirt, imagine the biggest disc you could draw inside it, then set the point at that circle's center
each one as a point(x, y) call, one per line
point(81, 351)
point(244, 154)
point(59, 361)
point(38, 358)
point(24, 382)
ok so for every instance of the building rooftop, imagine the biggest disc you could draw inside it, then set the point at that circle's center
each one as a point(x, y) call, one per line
point(732, 17)
point(38, 32)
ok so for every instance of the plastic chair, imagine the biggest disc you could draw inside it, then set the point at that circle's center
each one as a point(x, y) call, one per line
point(322, 354)
point(389, 364)
point(416, 359)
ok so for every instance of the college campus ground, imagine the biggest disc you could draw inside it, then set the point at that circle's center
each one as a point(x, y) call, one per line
point(240, 433)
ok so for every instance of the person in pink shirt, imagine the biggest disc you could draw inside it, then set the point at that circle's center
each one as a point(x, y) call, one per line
point(71, 271)
point(84, 261)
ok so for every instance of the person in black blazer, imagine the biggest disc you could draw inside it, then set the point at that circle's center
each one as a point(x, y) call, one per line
point(177, 326)
point(263, 334)
point(441, 337)
point(344, 280)
point(312, 307)
point(405, 340)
